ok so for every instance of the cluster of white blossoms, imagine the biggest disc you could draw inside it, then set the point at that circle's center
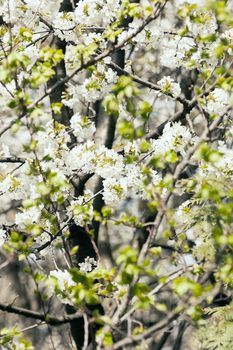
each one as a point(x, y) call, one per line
point(6, 184)
point(168, 86)
point(217, 101)
point(10, 9)
point(92, 88)
point(28, 217)
point(114, 191)
point(88, 158)
point(60, 281)
point(228, 34)
point(63, 277)
point(13, 11)
point(81, 209)
point(52, 140)
point(121, 179)
point(223, 164)
point(176, 137)
point(64, 26)
point(108, 162)
point(43, 6)
point(83, 128)
point(81, 158)
point(96, 12)
point(201, 23)
point(88, 265)
point(95, 87)
point(175, 50)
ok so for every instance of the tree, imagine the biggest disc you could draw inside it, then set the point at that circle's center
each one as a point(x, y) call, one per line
point(116, 174)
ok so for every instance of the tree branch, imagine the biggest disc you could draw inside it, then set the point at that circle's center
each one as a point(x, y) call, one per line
point(49, 319)
point(146, 83)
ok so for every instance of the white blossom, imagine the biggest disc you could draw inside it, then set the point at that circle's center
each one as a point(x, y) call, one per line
point(174, 50)
point(114, 191)
point(83, 127)
point(64, 281)
point(216, 101)
point(168, 86)
point(5, 150)
point(88, 265)
point(6, 184)
point(223, 165)
point(81, 209)
point(95, 87)
point(206, 26)
point(175, 137)
point(108, 163)
point(96, 12)
point(133, 179)
point(81, 158)
point(28, 217)
point(228, 34)
point(64, 26)
point(34, 5)
point(63, 278)
point(132, 147)
point(51, 141)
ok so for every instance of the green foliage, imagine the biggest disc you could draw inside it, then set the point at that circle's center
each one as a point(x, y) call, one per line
point(217, 331)
point(13, 339)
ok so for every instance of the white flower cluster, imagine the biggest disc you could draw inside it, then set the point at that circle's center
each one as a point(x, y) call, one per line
point(207, 25)
point(81, 158)
point(83, 127)
point(81, 209)
point(95, 87)
point(140, 38)
point(91, 89)
point(114, 190)
point(64, 26)
point(63, 281)
point(168, 86)
point(14, 11)
point(28, 217)
point(108, 163)
point(44, 7)
point(122, 180)
point(175, 49)
point(216, 101)
point(52, 140)
point(175, 137)
point(223, 164)
point(96, 12)
point(87, 158)
point(228, 34)
point(63, 278)
point(10, 10)
point(186, 51)
point(6, 184)
point(88, 265)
